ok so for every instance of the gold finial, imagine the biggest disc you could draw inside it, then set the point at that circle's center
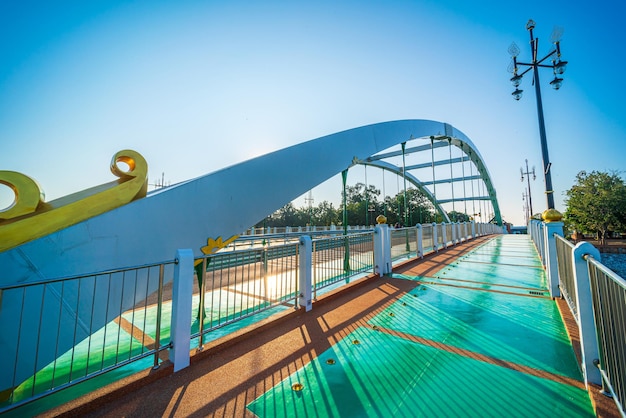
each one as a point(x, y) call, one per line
point(381, 219)
point(551, 215)
point(29, 217)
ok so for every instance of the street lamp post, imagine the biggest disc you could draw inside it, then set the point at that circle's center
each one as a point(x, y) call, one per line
point(558, 68)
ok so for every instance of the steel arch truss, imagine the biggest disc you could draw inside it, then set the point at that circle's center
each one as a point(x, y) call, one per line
point(466, 170)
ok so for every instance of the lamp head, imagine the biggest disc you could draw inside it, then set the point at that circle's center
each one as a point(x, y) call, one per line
point(516, 80)
point(559, 67)
point(556, 83)
point(517, 94)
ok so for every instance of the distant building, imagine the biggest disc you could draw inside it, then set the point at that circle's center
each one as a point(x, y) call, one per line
point(519, 229)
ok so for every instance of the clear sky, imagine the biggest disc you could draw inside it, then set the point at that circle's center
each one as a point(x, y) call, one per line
point(196, 86)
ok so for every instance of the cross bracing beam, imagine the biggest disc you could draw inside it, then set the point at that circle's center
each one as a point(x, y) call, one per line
point(456, 179)
point(437, 163)
point(407, 151)
point(462, 199)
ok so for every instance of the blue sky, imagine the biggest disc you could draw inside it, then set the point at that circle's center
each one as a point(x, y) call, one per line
point(196, 86)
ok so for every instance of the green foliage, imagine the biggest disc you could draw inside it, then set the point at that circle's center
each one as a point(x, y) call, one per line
point(597, 203)
point(458, 216)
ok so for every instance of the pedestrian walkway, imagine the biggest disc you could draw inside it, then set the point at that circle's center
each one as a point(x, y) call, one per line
point(470, 331)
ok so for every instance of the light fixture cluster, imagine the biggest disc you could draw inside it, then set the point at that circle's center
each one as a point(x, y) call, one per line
point(558, 65)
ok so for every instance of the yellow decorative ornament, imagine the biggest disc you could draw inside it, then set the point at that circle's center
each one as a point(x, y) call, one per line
point(551, 215)
point(381, 219)
point(30, 217)
point(213, 245)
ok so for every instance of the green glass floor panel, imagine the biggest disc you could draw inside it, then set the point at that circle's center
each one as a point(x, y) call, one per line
point(384, 375)
point(527, 331)
point(494, 273)
point(509, 259)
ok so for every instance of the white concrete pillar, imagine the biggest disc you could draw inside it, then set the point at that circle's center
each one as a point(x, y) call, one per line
point(382, 249)
point(420, 244)
point(552, 268)
point(444, 235)
point(181, 309)
point(584, 304)
point(305, 280)
point(453, 231)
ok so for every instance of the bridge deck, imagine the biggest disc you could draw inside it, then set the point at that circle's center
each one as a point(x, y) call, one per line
point(469, 331)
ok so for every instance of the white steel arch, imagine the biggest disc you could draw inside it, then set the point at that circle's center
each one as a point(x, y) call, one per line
point(219, 204)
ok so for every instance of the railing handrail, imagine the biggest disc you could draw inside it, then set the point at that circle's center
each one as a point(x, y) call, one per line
point(84, 275)
point(563, 239)
point(619, 280)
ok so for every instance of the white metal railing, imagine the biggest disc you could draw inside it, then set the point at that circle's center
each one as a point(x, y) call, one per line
point(68, 330)
point(72, 329)
point(608, 292)
point(597, 298)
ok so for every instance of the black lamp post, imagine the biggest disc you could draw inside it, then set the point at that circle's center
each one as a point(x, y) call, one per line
point(558, 68)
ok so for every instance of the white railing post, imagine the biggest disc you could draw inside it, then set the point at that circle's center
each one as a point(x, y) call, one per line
point(420, 244)
point(584, 304)
point(382, 249)
point(435, 238)
point(444, 235)
point(474, 229)
point(453, 232)
point(182, 292)
point(305, 280)
point(552, 268)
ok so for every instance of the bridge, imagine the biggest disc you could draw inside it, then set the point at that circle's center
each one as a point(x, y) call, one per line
point(102, 281)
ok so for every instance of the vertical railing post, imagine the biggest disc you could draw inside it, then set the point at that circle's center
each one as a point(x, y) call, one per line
point(584, 304)
point(420, 243)
point(305, 272)
point(474, 229)
point(444, 235)
point(435, 238)
point(181, 309)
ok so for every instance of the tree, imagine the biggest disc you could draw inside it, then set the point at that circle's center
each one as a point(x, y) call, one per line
point(597, 203)
point(326, 214)
point(419, 208)
point(458, 216)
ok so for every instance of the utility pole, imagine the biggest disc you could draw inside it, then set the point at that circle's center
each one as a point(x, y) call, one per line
point(527, 174)
point(309, 200)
